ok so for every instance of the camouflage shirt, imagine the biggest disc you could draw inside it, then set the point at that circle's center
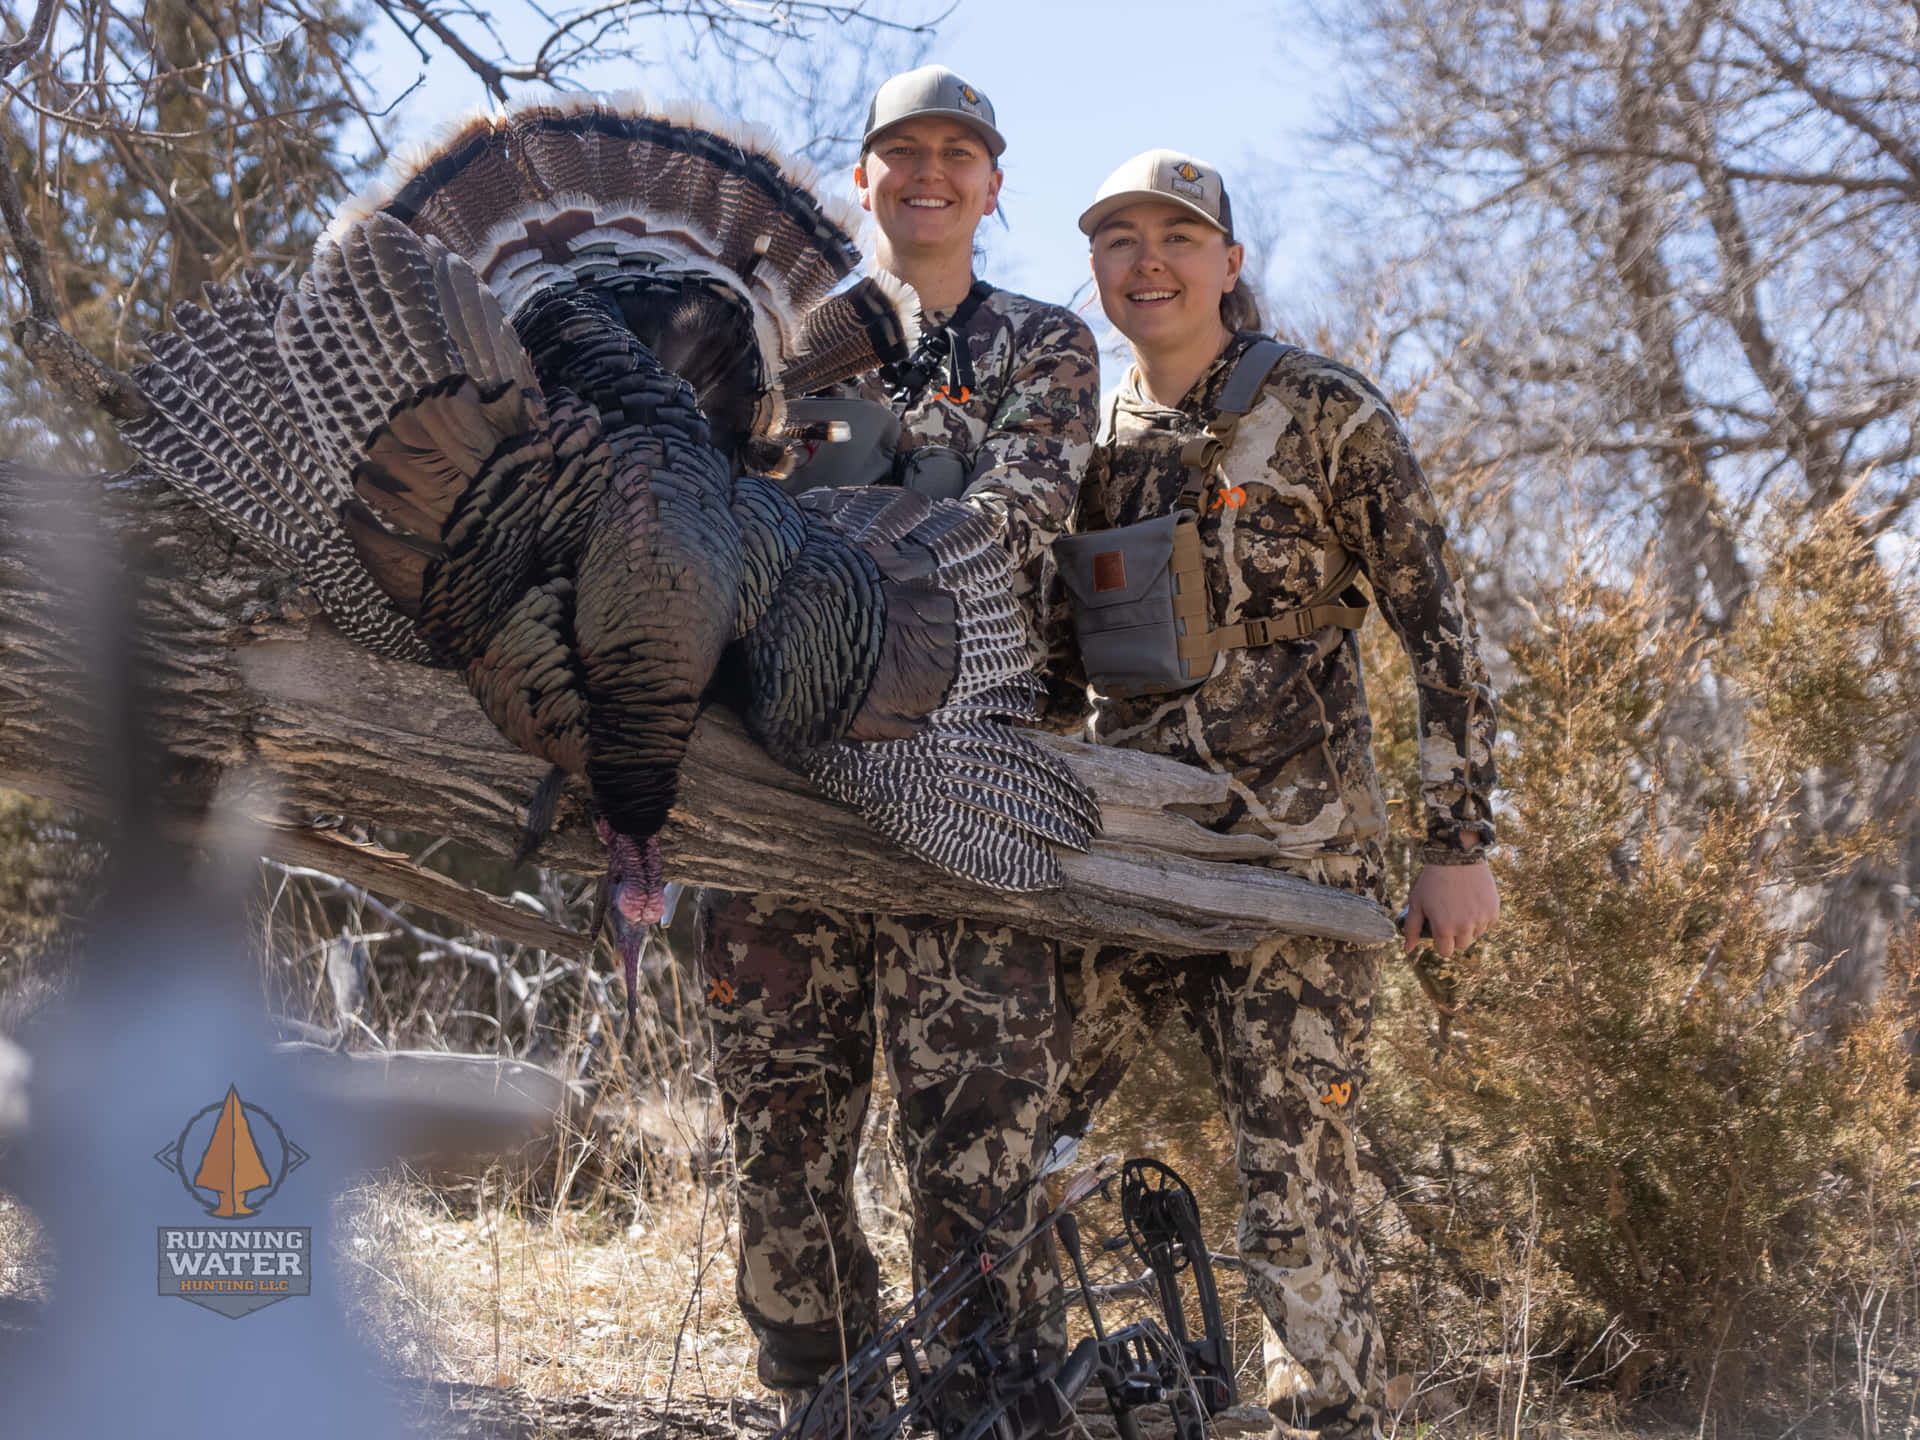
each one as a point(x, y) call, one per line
point(1026, 427)
point(1320, 460)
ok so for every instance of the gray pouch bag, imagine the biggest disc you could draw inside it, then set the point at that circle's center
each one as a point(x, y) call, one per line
point(844, 442)
point(934, 471)
point(1121, 584)
point(856, 442)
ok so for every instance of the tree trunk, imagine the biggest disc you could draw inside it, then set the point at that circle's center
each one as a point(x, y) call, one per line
point(254, 700)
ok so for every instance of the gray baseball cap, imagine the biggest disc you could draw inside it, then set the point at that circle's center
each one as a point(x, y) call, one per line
point(1166, 176)
point(932, 90)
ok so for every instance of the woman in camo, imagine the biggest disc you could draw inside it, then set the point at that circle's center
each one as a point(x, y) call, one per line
point(1302, 481)
point(996, 409)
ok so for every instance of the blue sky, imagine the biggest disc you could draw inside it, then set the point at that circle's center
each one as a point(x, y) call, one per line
point(1078, 86)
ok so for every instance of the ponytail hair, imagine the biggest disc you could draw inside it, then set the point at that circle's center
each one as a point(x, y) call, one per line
point(1238, 309)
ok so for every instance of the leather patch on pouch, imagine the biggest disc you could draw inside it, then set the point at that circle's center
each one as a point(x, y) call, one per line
point(1109, 571)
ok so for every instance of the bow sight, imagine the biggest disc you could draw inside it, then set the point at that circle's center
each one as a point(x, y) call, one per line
point(928, 1373)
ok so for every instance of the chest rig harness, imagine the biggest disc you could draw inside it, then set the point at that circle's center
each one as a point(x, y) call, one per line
point(1139, 592)
point(857, 442)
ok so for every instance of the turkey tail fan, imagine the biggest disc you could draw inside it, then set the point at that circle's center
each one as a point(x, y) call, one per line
point(226, 428)
point(873, 323)
point(930, 757)
point(578, 191)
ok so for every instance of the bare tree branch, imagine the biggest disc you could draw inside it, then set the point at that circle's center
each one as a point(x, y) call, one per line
point(399, 877)
point(1804, 179)
point(13, 53)
point(491, 75)
point(1696, 528)
point(73, 369)
point(1840, 106)
point(1739, 299)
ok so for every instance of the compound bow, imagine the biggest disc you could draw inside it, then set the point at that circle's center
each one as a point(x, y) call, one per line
point(904, 1380)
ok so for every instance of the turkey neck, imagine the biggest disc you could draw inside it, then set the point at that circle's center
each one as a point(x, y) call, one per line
point(659, 578)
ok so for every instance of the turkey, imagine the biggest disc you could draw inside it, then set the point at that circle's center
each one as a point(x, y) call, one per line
point(514, 420)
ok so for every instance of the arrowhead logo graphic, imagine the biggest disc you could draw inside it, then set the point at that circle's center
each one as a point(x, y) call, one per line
point(1186, 180)
point(231, 1165)
point(242, 1157)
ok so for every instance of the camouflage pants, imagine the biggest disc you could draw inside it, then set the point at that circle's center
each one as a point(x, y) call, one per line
point(1284, 1027)
point(975, 1045)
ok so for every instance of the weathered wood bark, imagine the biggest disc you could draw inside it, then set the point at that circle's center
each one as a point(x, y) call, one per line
point(255, 700)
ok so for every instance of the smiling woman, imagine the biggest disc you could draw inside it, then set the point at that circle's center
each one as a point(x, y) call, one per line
point(996, 401)
point(928, 184)
point(1167, 267)
point(1244, 487)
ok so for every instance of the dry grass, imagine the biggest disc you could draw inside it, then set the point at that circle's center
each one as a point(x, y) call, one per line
point(558, 1303)
point(628, 1291)
point(26, 1260)
point(630, 1294)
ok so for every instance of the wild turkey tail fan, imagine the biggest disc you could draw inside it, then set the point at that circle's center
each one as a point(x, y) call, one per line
point(873, 323)
point(423, 394)
point(724, 260)
point(227, 428)
point(702, 222)
point(896, 613)
point(530, 194)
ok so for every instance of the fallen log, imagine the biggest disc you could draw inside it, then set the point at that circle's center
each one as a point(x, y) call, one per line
point(256, 702)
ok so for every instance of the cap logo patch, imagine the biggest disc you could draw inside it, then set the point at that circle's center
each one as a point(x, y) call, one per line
point(969, 98)
point(1186, 179)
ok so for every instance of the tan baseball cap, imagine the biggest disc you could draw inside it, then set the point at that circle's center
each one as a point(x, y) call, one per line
point(932, 90)
point(1166, 176)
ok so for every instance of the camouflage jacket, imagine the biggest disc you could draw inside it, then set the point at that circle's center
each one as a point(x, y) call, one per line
point(1319, 458)
point(1026, 428)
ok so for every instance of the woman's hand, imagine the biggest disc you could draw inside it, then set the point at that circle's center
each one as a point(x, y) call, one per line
point(1454, 904)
